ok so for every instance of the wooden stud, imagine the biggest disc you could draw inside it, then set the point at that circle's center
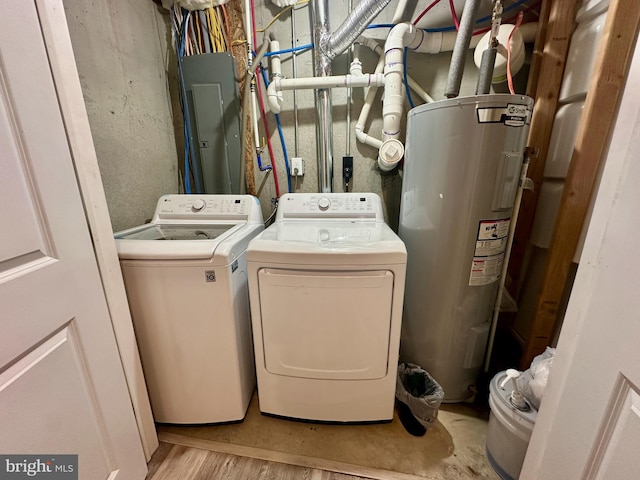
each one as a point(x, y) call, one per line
point(594, 132)
point(238, 49)
point(538, 48)
point(560, 26)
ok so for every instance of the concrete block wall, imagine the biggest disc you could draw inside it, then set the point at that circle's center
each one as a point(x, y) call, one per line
point(121, 53)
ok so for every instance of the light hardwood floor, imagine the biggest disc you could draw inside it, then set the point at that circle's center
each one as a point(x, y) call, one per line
point(177, 462)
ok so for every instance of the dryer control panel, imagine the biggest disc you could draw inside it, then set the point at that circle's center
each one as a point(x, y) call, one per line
point(207, 208)
point(342, 206)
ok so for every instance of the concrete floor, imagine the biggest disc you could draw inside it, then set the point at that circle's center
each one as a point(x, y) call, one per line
point(452, 449)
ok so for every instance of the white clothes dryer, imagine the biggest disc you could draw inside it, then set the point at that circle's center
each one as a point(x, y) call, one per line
point(186, 279)
point(326, 283)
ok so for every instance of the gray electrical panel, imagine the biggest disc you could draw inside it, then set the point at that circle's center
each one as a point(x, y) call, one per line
point(214, 116)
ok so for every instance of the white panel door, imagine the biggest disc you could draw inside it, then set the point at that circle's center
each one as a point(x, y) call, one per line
point(589, 422)
point(62, 387)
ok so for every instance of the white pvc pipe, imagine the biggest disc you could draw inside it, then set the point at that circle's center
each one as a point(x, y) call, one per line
point(404, 34)
point(413, 85)
point(401, 36)
point(375, 47)
point(437, 42)
point(361, 135)
point(276, 69)
point(355, 67)
point(334, 81)
point(278, 85)
point(365, 138)
point(393, 102)
point(400, 7)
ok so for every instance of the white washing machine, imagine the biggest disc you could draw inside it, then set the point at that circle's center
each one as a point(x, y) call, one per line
point(186, 279)
point(326, 283)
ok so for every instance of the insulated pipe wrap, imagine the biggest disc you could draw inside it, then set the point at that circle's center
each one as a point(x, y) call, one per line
point(486, 71)
point(353, 26)
point(461, 48)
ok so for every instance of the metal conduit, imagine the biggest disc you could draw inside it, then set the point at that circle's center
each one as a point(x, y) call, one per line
point(319, 10)
point(327, 47)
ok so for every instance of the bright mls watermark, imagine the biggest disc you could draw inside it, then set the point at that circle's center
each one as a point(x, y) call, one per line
point(50, 467)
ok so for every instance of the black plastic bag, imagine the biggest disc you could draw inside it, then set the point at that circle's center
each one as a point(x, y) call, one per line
point(418, 390)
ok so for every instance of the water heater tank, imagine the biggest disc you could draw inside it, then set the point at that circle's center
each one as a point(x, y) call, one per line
point(461, 173)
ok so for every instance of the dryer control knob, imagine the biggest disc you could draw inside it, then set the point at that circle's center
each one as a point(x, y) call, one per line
point(198, 204)
point(324, 203)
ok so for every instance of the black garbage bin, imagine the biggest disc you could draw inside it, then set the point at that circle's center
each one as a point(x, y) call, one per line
point(419, 397)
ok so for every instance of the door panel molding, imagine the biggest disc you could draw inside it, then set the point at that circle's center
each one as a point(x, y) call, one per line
point(620, 421)
point(76, 123)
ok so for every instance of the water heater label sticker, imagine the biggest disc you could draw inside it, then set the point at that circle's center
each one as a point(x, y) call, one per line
point(486, 248)
point(491, 244)
point(493, 229)
point(485, 270)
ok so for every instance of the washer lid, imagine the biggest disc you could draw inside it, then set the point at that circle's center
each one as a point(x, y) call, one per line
point(186, 242)
point(176, 232)
point(313, 242)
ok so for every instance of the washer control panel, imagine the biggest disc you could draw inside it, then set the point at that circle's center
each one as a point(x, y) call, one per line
point(330, 205)
point(207, 208)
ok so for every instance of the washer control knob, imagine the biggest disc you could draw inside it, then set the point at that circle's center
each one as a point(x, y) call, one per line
point(198, 205)
point(324, 204)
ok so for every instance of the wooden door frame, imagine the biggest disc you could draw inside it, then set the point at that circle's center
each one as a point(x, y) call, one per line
point(607, 83)
point(609, 74)
point(85, 162)
point(621, 151)
point(557, 23)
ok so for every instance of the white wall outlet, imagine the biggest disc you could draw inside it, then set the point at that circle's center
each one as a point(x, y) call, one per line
point(297, 167)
